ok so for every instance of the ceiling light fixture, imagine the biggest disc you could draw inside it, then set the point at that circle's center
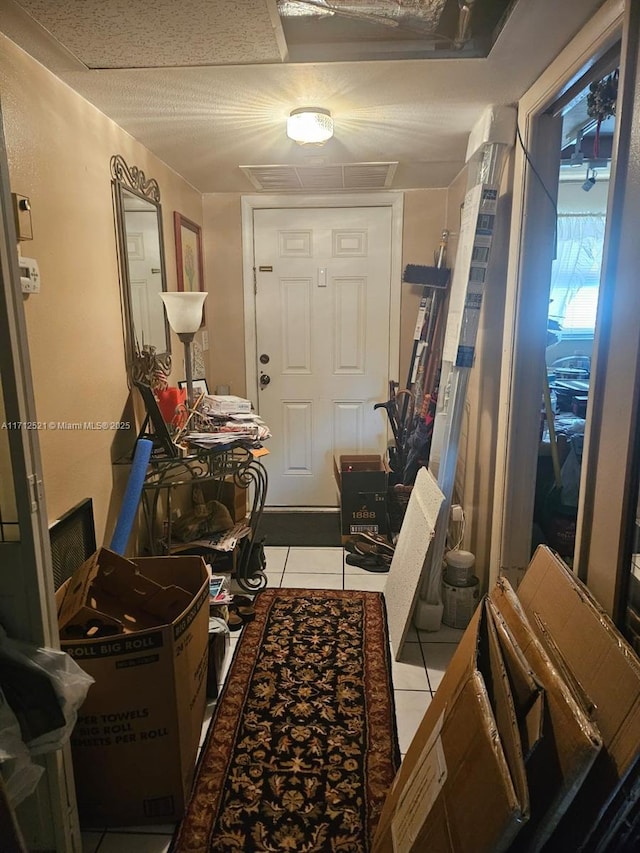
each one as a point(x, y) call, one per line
point(310, 126)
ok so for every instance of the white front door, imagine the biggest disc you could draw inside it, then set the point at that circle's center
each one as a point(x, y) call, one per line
point(322, 333)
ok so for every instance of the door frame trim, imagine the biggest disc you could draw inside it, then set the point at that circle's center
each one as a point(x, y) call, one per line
point(511, 532)
point(249, 203)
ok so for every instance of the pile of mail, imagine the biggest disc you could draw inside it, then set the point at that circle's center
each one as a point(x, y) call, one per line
point(225, 419)
point(224, 404)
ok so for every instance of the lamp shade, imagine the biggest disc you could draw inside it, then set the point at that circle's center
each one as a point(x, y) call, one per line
point(184, 310)
point(310, 125)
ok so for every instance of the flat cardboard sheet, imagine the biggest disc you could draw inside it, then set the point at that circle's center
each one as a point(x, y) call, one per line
point(570, 743)
point(547, 674)
point(563, 612)
point(461, 787)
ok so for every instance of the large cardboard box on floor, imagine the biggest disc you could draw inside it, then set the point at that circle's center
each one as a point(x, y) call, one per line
point(362, 481)
point(586, 645)
point(503, 749)
point(461, 787)
point(140, 628)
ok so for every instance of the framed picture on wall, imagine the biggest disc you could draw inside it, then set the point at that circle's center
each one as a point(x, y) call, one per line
point(189, 255)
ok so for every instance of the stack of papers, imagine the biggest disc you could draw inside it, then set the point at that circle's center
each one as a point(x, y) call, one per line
point(225, 540)
point(224, 404)
point(246, 427)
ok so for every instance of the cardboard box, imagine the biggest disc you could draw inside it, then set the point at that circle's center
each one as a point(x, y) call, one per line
point(570, 742)
point(583, 639)
point(228, 493)
point(362, 481)
point(461, 787)
point(140, 628)
point(502, 750)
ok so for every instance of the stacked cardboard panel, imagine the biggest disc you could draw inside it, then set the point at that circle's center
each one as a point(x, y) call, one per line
point(532, 741)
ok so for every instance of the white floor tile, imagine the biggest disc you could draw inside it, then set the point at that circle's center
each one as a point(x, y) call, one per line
point(121, 842)
point(314, 561)
point(412, 634)
point(366, 581)
point(410, 708)
point(437, 656)
point(409, 673)
point(276, 558)
point(208, 713)
point(444, 635)
point(299, 581)
point(274, 579)
point(235, 636)
point(90, 841)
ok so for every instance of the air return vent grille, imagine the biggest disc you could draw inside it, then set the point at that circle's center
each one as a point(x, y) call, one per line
point(73, 540)
point(350, 176)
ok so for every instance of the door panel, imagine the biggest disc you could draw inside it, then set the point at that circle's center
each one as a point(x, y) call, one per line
point(349, 323)
point(322, 321)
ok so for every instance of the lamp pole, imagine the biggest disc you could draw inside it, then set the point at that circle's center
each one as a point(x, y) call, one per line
point(186, 338)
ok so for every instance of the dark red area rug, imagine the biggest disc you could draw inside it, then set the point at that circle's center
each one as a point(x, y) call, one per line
point(302, 748)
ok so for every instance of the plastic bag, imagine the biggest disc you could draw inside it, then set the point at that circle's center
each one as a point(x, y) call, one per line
point(19, 773)
point(68, 682)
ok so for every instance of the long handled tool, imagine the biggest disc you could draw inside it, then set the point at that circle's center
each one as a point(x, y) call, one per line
point(434, 281)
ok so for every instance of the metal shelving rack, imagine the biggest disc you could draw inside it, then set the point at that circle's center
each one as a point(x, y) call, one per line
point(232, 463)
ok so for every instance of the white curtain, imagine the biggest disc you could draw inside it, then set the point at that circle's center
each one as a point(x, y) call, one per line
point(580, 239)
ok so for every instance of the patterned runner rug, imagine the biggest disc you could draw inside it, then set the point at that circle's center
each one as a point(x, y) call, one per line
point(302, 748)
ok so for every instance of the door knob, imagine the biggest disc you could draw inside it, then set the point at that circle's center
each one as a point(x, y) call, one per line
point(264, 380)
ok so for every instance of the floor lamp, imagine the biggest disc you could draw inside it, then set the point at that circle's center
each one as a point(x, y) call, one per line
point(184, 313)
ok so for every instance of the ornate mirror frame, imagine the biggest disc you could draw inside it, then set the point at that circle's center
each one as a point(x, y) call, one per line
point(129, 183)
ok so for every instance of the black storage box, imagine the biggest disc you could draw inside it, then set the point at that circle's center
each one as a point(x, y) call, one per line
point(362, 480)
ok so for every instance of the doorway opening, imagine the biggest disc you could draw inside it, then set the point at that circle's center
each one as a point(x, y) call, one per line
point(580, 223)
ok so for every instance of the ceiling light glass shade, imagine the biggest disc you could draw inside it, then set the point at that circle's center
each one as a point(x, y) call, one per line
point(184, 310)
point(310, 125)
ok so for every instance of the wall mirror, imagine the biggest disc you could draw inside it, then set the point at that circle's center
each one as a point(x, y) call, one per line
point(138, 218)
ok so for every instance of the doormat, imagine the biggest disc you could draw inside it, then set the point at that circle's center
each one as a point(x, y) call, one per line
point(311, 529)
point(302, 748)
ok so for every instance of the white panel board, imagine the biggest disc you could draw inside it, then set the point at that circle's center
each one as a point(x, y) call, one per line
point(295, 302)
point(295, 244)
point(347, 426)
point(296, 422)
point(403, 581)
point(349, 324)
point(349, 243)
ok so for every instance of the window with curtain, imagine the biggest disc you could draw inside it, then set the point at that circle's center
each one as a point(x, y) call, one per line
point(575, 273)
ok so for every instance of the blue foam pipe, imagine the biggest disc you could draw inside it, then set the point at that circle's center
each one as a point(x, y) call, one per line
point(131, 496)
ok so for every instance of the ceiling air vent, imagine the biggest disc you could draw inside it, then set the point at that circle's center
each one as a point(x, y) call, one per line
point(348, 176)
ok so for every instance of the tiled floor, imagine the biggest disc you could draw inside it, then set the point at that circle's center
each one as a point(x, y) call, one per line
point(415, 677)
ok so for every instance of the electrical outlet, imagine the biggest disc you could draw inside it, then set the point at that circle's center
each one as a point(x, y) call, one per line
point(457, 513)
point(205, 340)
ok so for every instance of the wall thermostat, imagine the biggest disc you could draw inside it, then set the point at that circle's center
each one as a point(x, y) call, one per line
point(29, 275)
